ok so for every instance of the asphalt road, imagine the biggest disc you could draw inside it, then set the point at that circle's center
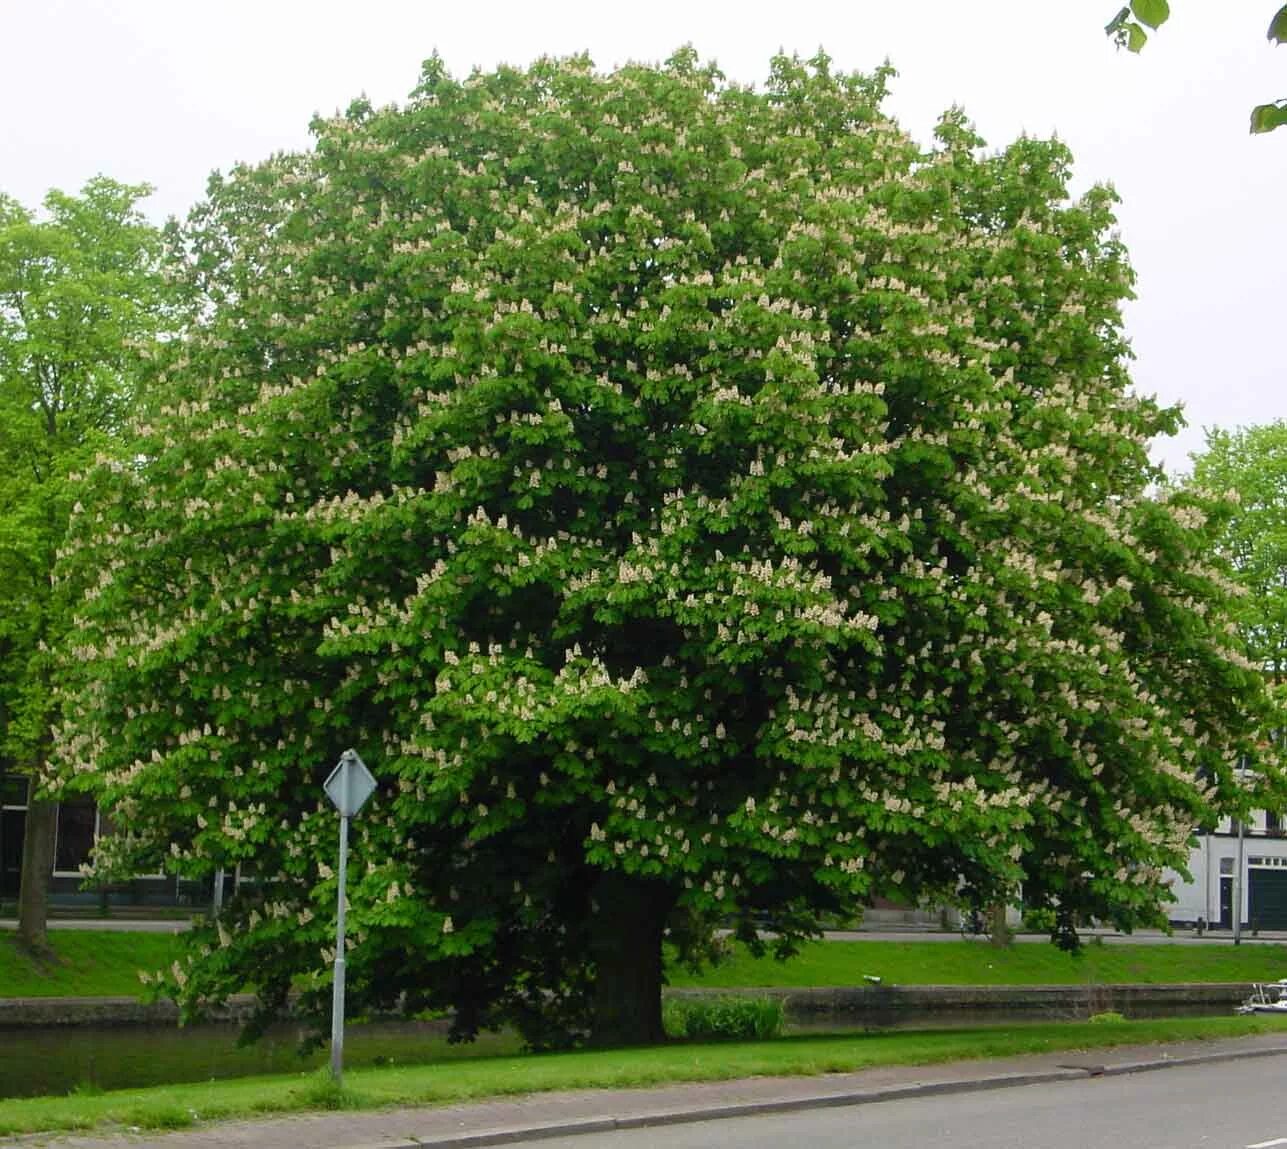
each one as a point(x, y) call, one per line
point(1231, 1105)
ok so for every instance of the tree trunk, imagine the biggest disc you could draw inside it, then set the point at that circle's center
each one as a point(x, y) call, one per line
point(625, 943)
point(999, 928)
point(37, 870)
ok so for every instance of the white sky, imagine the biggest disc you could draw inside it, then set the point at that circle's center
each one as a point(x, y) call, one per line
point(164, 91)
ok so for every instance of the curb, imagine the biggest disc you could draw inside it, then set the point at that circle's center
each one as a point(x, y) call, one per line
point(1128, 1067)
point(821, 1101)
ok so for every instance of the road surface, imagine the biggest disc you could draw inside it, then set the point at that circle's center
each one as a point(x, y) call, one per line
point(1229, 1105)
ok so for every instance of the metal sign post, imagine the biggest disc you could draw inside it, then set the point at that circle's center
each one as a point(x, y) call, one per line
point(1240, 874)
point(348, 787)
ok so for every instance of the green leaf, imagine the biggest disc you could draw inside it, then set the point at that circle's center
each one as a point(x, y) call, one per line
point(1278, 26)
point(1154, 13)
point(1267, 117)
point(1136, 37)
point(1118, 22)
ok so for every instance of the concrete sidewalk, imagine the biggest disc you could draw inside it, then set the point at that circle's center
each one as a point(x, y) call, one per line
point(112, 925)
point(547, 1115)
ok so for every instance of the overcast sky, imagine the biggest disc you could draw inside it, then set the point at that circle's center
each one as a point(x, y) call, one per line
point(164, 91)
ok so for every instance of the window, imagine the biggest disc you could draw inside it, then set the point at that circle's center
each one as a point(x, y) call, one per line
point(13, 792)
point(1273, 824)
point(77, 823)
point(1226, 865)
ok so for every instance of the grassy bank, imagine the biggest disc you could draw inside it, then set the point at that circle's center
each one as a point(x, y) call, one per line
point(177, 1106)
point(977, 963)
point(89, 963)
point(100, 963)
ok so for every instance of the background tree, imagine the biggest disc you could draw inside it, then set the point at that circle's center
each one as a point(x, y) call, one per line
point(80, 293)
point(1251, 464)
point(694, 502)
point(1127, 28)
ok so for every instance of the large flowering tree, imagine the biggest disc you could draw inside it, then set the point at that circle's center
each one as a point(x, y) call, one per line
point(694, 502)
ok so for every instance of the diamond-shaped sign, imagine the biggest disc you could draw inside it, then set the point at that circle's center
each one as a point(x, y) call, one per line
point(350, 784)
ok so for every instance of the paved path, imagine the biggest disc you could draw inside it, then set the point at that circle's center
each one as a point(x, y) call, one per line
point(1238, 1105)
point(564, 1115)
point(112, 925)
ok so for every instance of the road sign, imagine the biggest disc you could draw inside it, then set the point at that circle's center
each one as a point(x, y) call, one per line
point(350, 784)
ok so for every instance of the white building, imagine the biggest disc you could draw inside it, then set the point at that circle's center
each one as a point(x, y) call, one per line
point(1262, 891)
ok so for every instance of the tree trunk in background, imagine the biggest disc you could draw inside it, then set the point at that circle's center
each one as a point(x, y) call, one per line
point(998, 928)
point(625, 943)
point(37, 870)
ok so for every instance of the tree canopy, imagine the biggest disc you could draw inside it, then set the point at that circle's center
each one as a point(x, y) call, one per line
point(81, 295)
point(694, 502)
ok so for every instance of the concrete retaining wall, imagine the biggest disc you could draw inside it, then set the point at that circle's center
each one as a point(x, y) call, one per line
point(859, 1003)
point(851, 1004)
point(25, 1012)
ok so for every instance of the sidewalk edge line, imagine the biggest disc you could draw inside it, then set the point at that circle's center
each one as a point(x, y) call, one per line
point(828, 1101)
point(1197, 1059)
point(745, 1109)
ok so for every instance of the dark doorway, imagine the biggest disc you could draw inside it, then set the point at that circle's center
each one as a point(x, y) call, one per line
point(12, 825)
point(1268, 892)
point(1226, 902)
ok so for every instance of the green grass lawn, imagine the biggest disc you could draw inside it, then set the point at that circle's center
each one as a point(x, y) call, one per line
point(977, 963)
point(176, 1106)
point(93, 963)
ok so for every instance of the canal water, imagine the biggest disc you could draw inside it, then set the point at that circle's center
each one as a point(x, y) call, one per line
point(44, 1060)
point(55, 1060)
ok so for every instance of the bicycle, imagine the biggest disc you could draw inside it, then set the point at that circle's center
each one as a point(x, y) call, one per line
point(974, 924)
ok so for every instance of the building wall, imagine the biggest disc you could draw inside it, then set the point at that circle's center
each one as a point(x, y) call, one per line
point(79, 825)
point(1213, 863)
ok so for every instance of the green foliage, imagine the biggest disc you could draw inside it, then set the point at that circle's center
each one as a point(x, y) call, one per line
point(1248, 468)
point(81, 298)
point(724, 1018)
point(664, 485)
point(1151, 12)
point(1108, 1017)
point(1040, 921)
point(1267, 117)
point(1129, 33)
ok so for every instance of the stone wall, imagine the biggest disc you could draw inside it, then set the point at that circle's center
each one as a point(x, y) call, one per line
point(848, 1005)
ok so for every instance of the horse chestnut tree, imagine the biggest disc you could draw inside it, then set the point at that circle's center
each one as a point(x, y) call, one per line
point(695, 502)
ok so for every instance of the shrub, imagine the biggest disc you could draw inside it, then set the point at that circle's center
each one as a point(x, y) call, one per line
point(1039, 920)
point(726, 1018)
point(1109, 1017)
